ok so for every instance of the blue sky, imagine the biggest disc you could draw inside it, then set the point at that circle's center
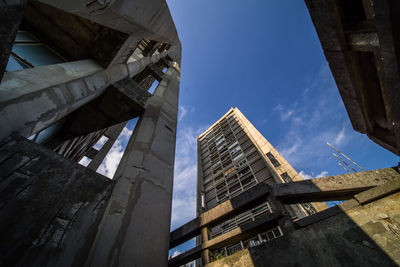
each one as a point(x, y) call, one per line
point(263, 57)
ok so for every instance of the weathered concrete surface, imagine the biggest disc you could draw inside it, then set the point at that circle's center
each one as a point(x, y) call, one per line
point(241, 233)
point(239, 259)
point(361, 44)
point(132, 17)
point(33, 99)
point(358, 235)
point(50, 207)
point(78, 38)
point(11, 14)
point(333, 187)
point(319, 189)
point(223, 211)
point(135, 228)
point(120, 102)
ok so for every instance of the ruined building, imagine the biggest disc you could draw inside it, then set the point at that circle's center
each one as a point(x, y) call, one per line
point(75, 71)
point(72, 72)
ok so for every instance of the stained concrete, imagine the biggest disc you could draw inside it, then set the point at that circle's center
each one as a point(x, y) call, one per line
point(29, 103)
point(358, 233)
point(50, 206)
point(135, 227)
point(132, 17)
point(361, 45)
point(11, 14)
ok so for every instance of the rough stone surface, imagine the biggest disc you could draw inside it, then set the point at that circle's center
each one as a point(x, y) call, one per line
point(239, 259)
point(50, 207)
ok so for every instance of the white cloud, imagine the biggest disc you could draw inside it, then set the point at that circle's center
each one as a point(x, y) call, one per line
point(307, 176)
point(111, 161)
point(322, 174)
point(176, 253)
point(182, 112)
point(100, 143)
point(278, 107)
point(85, 161)
point(340, 137)
point(286, 115)
point(185, 177)
point(311, 122)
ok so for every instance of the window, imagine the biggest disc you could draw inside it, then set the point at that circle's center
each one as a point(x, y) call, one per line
point(234, 150)
point(238, 156)
point(229, 171)
point(29, 52)
point(47, 134)
point(244, 171)
point(254, 241)
point(286, 177)
point(232, 145)
point(234, 248)
point(271, 234)
point(240, 164)
point(309, 208)
point(273, 159)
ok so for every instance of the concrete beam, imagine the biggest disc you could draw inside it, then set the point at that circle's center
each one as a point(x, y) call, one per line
point(234, 236)
point(227, 209)
point(120, 102)
point(338, 187)
point(135, 226)
point(188, 256)
point(33, 99)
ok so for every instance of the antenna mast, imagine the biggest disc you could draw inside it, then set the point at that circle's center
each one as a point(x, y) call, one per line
point(337, 150)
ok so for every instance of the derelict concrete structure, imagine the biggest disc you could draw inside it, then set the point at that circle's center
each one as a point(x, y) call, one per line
point(361, 44)
point(74, 72)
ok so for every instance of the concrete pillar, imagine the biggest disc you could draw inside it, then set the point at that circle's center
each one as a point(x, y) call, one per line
point(33, 99)
point(205, 254)
point(112, 134)
point(11, 14)
point(136, 225)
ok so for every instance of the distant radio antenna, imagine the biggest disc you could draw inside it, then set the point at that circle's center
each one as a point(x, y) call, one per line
point(343, 167)
point(337, 150)
point(344, 162)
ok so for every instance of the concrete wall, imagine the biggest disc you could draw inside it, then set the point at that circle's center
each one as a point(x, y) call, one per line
point(366, 234)
point(136, 224)
point(50, 206)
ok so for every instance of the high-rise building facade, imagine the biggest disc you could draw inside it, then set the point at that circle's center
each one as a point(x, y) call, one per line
point(232, 158)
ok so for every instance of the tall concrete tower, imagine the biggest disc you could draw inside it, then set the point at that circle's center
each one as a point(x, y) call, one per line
point(73, 72)
point(233, 157)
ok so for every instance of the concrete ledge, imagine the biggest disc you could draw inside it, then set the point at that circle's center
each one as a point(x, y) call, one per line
point(338, 187)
